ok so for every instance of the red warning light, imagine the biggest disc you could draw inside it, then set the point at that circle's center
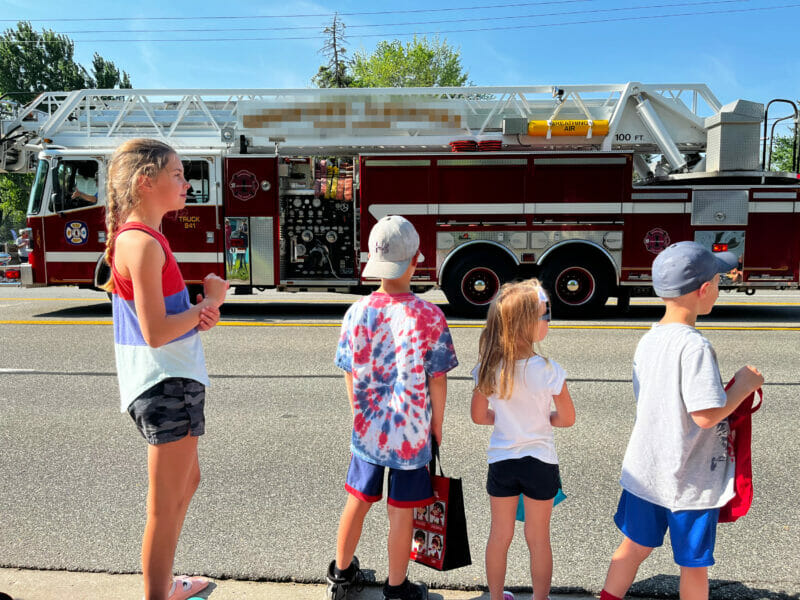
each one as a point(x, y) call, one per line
point(719, 248)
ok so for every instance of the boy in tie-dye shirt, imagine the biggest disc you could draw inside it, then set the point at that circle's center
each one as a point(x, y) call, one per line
point(395, 349)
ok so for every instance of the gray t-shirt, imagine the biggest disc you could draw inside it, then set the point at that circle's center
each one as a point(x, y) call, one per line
point(670, 460)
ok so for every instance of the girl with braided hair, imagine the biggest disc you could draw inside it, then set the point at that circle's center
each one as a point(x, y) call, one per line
point(160, 361)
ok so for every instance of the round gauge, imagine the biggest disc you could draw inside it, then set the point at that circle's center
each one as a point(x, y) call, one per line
point(298, 202)
point(316, 203)
point(331, 237)
point(300, 250)
point(307, 236)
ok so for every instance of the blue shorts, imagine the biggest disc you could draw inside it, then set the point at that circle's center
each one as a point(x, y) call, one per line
point(693, 533)
point(407, 489)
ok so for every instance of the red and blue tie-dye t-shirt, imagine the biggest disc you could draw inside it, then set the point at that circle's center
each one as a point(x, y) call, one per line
point(390, 344)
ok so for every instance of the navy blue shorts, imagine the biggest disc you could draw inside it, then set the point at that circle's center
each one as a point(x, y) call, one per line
point(407, 489)
point(693, 533)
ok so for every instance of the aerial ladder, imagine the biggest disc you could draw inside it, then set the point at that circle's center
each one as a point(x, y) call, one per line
point(679, 122)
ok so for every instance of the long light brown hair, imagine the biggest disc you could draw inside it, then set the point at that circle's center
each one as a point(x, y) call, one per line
point(512, 322)
point(130, 162)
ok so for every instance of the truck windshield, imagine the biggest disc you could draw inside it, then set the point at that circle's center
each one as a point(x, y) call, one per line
point(37, 189)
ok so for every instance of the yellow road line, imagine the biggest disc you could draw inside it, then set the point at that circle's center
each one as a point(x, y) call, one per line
point(452, 326)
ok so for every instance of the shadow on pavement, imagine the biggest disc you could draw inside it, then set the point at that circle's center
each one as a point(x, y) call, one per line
point(667, 586)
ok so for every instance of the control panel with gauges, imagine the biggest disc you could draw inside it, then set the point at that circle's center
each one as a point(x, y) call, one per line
point(317, 219)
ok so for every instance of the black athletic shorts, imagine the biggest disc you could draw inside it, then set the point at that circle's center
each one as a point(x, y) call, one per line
point(527, 475)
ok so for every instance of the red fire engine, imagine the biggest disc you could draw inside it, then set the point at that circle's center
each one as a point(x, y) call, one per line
point(579, 185)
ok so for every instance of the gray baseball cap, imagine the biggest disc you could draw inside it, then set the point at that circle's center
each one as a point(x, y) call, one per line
point(684, 266)
point(393, 242)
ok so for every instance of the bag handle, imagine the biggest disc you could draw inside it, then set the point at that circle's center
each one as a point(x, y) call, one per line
point(435, 458)
point(746, 408)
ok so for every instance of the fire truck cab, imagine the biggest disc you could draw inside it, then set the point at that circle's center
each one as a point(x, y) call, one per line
point(500, 183)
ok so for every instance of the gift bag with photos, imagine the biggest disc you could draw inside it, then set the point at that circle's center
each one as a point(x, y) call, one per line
point(440, 529)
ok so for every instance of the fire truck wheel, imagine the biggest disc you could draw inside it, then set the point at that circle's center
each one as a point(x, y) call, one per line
point(578, 285)
point(473, 281)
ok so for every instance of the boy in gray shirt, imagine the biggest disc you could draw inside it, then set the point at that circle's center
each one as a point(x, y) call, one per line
point(677, 471)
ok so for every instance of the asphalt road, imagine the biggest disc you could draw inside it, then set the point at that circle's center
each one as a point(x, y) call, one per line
point(276, 446)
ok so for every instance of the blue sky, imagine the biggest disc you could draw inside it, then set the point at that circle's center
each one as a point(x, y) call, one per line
point(751, 54)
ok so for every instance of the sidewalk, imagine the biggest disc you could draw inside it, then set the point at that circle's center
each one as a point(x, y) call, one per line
point(64, 585)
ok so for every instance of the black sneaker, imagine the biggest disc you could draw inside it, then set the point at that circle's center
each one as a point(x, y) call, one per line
point(405, 591)
point(339, 587)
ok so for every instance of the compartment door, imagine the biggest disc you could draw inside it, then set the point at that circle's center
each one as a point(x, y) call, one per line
point(251, 186)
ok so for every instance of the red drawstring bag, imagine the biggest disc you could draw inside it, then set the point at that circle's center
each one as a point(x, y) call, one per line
point(740, 423)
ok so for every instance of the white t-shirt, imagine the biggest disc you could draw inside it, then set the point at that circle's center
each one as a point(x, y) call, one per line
point(522, 422)
point(670, 460)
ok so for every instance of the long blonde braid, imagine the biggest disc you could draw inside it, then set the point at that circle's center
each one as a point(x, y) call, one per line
point(132, 160)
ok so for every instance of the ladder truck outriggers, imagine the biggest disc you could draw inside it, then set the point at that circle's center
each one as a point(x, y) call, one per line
point(579, 185)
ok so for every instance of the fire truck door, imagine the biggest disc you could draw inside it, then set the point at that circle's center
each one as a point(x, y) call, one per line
point(74, 221)
point(195, 233)
point(251, 220)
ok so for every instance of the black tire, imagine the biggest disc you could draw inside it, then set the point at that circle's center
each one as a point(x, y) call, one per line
point(578, 285)
point(473, 281)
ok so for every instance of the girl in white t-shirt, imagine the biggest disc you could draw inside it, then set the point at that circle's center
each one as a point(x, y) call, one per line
point(515, 388)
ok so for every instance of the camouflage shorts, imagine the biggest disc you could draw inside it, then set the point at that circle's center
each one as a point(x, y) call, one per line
point(169, 410)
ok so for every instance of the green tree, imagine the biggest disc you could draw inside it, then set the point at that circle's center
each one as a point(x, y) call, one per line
point(421, 62)
point(336, 74)
point(14, 191)
point(32, 62)
point(782, 154)
point(106, 76)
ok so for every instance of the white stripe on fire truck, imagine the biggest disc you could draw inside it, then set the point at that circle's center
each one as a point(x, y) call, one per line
point(771, 207)
point(664, 196)
point(72, 257)
point(477, 209)
point(382, 210)
point(614, 160)
point(775, 195)
point(550, 208)
point(641, 208)
point(195, 257)
point(92, 257)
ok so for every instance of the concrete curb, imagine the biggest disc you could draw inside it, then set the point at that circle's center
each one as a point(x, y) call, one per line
point(24, 584)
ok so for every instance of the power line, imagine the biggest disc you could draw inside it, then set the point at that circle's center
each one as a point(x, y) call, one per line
point(432, 32)
point(341, 14)
point(399, 24)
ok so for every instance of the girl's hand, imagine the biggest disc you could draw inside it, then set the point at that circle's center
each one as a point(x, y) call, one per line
point(209, 316)
point(215, 289)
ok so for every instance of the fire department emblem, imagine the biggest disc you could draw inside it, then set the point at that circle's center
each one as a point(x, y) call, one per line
point(656, 240)
point(244, 185)
point(76, 233)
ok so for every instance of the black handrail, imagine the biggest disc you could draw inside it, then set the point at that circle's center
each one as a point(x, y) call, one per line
point(764, 166)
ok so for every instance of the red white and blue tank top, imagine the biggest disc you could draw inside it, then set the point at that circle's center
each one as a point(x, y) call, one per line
point(139, 366)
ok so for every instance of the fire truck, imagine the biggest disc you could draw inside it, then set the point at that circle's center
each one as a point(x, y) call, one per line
point(579, 185)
